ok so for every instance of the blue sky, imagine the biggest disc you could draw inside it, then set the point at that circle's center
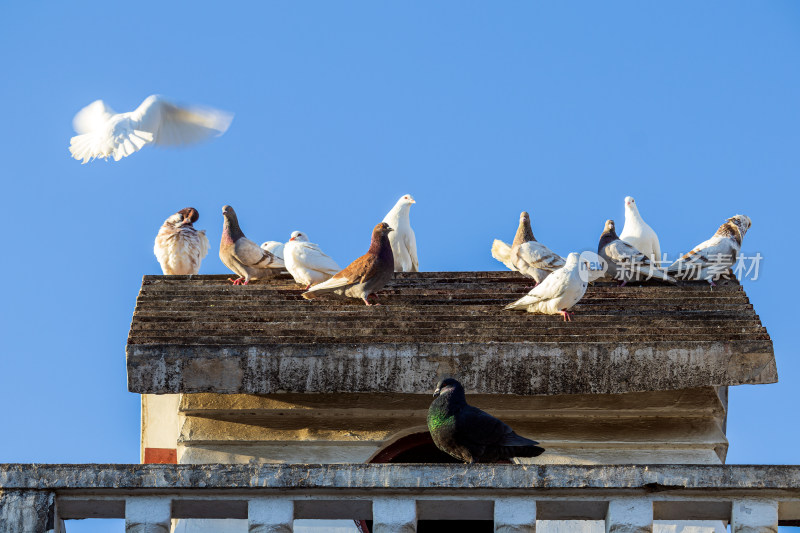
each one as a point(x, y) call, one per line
point(478, 109)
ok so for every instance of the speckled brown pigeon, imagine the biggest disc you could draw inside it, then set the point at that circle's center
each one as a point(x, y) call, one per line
point(179, 247)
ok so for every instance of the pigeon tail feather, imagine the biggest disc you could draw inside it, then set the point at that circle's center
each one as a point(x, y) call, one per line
point(502, 252)
point(523, 451)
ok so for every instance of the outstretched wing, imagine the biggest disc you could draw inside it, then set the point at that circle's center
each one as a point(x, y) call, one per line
point(92, 117)
point(172, 125)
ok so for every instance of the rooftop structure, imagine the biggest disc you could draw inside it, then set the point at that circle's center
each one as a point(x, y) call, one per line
point(248, 389)
point(200, 334)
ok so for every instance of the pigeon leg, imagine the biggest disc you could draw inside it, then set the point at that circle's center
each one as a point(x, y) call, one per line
point(237, 281)
point(366, 299)
point(567, 315)
point(307, 287)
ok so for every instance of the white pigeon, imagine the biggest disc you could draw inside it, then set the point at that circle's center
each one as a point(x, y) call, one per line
point(402, 239)
point(714, 257)
point(637, 233)
point(104, 133)
point(531, 257)
point(276, 249)
point(179, 247)
point(558, 293)
point(502, 252)
point(306, 262)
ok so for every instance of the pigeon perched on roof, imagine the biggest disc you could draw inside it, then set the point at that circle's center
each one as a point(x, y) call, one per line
point(276, 249)
point(502, 252)
point(469, 434)
point(558, 293)
point(714, 257)
point(306, 262)
point(402, 239)
point(638, 234)
point(244, 257)
point(625, 262)
point(364, 276)
point(531, 257)
point(104, 133)
point(179, 247)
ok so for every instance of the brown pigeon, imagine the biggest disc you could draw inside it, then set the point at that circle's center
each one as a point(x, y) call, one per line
point(244, 257)
point(179, 247)
point(364, 276)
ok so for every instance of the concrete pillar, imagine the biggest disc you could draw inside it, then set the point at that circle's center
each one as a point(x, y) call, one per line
point(149, 514)
point(270, 515)
point(633, 515)
point(754, 516)
point(26, 511)
point(394, 515)
point(515, 515)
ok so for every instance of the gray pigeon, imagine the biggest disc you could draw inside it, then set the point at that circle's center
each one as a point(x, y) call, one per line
point(364, 276)
point(469, 434)
point(531, 257)
point(714, 257)
point(244, 257)
point(626, 263)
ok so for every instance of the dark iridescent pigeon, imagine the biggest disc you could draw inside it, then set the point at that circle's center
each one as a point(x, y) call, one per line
point(469, 434)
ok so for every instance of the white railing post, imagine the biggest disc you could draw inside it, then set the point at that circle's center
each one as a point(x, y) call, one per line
point(270, 515)
point(754, 516)
point(394, 515)
point(633, 515)
point(515, 515)
point(148, 514)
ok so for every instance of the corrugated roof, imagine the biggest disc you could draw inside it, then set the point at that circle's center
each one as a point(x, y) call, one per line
point(204, 315)
point(432, 307)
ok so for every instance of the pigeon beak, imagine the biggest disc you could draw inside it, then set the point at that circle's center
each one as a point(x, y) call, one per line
point(291, 239)
point(436, 393)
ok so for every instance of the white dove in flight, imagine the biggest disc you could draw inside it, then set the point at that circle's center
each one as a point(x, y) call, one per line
point(104, 133)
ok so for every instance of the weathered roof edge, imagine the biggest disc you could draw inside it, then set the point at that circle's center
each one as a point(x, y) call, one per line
point(398, 476)
point(487, 368)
